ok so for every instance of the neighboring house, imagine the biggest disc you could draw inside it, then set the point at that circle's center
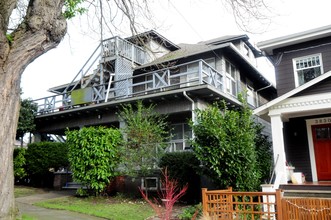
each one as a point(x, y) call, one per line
point(301, 115)
point(177, 78)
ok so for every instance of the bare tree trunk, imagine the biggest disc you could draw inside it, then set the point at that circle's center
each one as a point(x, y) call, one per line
point(9, 104)
point(43, 29)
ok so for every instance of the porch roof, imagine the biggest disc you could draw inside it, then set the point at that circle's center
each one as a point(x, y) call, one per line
point(263, 110)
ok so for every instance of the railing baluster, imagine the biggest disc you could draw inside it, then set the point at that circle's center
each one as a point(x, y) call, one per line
point(137, 84)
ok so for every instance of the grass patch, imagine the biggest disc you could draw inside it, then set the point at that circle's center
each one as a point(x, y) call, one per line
point(21, 191)
point(109, 208)
point(26, 217)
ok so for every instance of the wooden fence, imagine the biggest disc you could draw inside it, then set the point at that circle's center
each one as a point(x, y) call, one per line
point(226, 204)
point(306, 208)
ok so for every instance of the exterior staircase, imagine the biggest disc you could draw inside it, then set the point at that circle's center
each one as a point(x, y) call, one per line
point(73, 185)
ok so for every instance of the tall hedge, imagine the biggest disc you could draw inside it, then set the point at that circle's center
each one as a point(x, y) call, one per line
point(94, 155)
point(225, 143)
point(44, 157)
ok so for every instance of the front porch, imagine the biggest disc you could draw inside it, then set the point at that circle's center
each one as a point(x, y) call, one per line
point(301, 121)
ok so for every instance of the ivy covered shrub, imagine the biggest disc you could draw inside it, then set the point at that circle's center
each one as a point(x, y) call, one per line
point(19, 165)
point(263, 147)
point(183, 166)
point(94, 155)
point(225, 143)
point(42, 159)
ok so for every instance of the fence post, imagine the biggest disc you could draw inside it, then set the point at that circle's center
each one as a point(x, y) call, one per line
point(279, 204)
point(204, 201)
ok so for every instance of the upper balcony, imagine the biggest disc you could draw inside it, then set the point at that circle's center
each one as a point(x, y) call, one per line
point(157, 82)
point(107, 50)
point(117, 46)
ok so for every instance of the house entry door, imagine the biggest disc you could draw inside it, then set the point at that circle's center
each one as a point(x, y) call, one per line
point(322, 149)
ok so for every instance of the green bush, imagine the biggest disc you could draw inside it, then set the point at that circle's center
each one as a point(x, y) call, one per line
point(19, 164)
point(224, 142)
point(191, 212)
point(183, 166)
point(42, 158)
point(263, 148)
point(94, 155)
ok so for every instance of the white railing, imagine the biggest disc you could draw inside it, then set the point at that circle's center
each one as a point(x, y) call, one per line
point(171, 78)
point(108, 48)
point(118, 46)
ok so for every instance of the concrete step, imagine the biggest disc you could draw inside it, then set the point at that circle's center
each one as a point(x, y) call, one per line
point(307, 193)
point(314, 189)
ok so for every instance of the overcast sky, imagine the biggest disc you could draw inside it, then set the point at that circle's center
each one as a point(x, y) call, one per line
point(188, 21)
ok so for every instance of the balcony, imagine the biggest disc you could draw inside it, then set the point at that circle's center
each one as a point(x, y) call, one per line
point(118, 46)
point(171, 78)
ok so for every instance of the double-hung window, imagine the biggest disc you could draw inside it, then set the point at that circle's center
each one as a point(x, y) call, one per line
point(250, 93)
point(231, 78)
point(180, 137)
point(307, 68)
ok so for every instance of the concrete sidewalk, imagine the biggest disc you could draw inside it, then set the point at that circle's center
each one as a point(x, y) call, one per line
point(25, 206)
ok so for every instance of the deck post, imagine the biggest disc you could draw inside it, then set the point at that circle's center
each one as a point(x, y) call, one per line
point(204, 201)
point(200, 72)
point(279, 207)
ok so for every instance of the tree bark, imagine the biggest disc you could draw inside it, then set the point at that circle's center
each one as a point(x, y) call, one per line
point(41, 30)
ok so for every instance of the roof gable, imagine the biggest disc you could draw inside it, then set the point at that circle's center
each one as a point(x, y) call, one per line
point(309, 86)
point(269, 46)
point(153, 35)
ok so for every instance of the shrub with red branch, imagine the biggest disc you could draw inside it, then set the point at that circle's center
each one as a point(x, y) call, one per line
point(169, 195)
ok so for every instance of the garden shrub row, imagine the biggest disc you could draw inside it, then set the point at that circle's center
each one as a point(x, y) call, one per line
point(36, 164)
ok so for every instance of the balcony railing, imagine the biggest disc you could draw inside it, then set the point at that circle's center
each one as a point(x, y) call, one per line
point(108, 49)
point(118, 46)
point(175, 77)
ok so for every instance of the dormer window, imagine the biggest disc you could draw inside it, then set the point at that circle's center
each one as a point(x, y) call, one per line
point(307, 68)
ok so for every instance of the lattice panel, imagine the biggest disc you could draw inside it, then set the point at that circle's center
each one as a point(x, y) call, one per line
point(123, 71)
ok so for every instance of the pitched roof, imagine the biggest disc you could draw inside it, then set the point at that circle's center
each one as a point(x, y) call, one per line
point(186, 50)
point(265, 108)
point(156, 37)
point(269, 45)
point(224, 39)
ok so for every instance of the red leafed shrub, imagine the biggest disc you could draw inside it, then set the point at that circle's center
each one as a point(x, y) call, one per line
point(169, 195)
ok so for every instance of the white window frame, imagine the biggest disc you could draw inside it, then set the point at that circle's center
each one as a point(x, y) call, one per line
point(229, 79)
point(250, 93)
point(296, 77)
point(143, 186)
point(211, 61)
point(183, 140)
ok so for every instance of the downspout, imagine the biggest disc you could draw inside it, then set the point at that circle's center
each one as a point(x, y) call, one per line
point(260, 89)
point(193, 109)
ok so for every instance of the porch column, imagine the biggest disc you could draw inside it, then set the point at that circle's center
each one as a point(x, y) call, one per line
point(278, 149)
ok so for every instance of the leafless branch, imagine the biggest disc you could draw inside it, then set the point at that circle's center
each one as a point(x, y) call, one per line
point(253, 16)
